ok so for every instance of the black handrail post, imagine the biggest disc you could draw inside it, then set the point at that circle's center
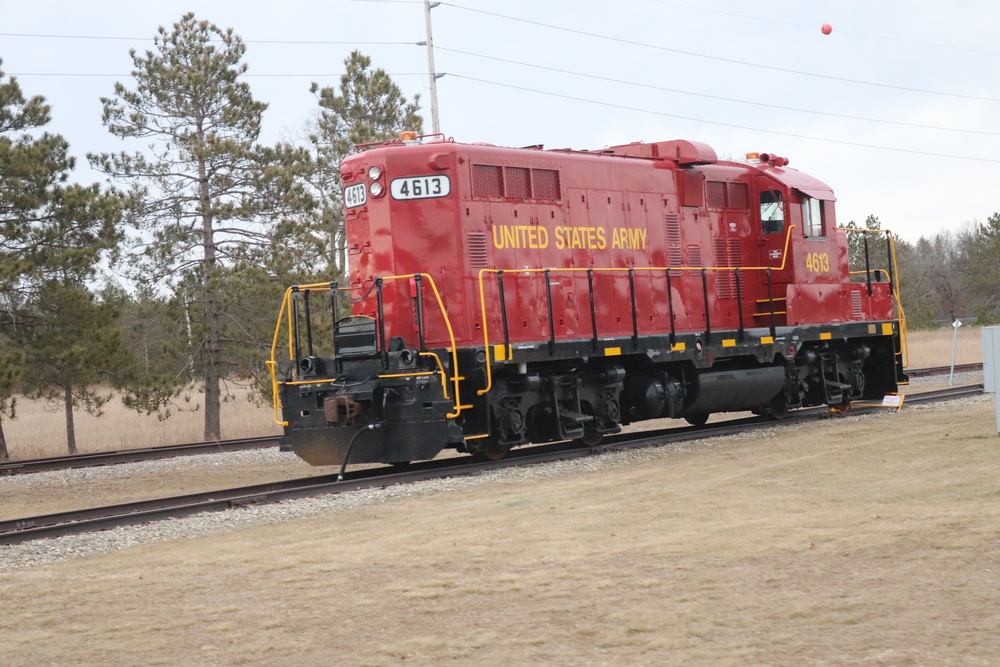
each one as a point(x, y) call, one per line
point(333, 314)
point(418, 280)
point(635, 308)
point(888, 250)
point(309, 329)
point(868, 267)
point(552, 324)
point(670, 310)
point(739, 303)
point(770, 298)
point(593, 306)
point(296, 344)
point(503, 312)
point(381, 324)
point(708, 319)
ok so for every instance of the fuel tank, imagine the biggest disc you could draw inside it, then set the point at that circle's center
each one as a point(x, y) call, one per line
point(733, 390)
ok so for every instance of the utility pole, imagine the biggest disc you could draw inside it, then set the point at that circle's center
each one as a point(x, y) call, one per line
point(432, 75)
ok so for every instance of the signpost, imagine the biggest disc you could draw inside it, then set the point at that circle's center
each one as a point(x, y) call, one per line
point(991, 365)
point(954, 347)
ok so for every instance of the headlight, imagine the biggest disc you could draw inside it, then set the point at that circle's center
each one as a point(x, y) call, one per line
point(374, 172)
point(375, 188)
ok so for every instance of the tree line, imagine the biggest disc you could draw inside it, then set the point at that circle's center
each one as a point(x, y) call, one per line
point(204, 226)
point(951, 275)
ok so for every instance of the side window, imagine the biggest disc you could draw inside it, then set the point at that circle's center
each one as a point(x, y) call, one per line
point(772, 213)
point(812, 216)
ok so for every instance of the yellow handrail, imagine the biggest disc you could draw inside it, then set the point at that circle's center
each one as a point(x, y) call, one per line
point(904, 350)
point(285, 311)
point(482, 289)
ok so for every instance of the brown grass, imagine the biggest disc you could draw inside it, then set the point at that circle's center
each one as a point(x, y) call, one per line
point(851, 541)
point(40, 429)
point(933, 347)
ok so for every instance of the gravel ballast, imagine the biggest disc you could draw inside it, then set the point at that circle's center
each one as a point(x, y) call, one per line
point(35, 553)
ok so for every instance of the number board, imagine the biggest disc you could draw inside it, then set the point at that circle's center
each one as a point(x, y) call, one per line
point(420, 187)
point(355, 195)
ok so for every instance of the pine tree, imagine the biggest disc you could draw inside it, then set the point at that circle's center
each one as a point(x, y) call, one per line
point(49, 230)
point(983, 272)
point(368, 107)
point(207, 191)
point(72, 343)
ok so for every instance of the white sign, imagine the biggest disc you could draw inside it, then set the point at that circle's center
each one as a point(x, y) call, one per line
point(420, 187)
point(355, 195)
point(892, 400)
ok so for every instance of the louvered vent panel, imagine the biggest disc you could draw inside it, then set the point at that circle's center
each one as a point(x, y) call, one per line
point(478, 255)
point(675, 255)
point(517, 182)
point(545, 183)
point(487, 180)
point(856, 310)
point(739, 196)
point(735, 259)
point(725, 286)
point(735, 253)
point(694, 256)
point(716, 194)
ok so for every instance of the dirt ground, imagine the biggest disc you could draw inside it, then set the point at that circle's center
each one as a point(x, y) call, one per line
point(853, 541)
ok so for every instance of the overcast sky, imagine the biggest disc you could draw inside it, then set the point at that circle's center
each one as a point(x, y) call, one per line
point(896, 109)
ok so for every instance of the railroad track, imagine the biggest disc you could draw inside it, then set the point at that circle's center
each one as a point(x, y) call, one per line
point(153, 453)
point(943, 370)
point(133, 455)
point(102, 518)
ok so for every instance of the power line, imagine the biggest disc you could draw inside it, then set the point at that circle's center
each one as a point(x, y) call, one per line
point(732, 61)
point(722, 124)
point(715, 97)
point(245, 74)
point(303, 42)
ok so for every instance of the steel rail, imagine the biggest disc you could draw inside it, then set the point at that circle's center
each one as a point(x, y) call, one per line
point(133, 455)
point(25, 466)
point(14, 531)
point(944, 370)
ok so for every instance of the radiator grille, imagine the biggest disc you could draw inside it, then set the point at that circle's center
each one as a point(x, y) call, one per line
point(728, 195)
point(545, 183)
point(487, 180)
point(490, 180)
point(716, 194)
point(517, 182)
point(739, 196)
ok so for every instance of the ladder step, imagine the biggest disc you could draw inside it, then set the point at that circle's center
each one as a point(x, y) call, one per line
point(574, 417)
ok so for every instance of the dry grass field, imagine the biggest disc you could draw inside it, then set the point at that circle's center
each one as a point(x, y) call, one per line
point(39, 431)
point(855, 541)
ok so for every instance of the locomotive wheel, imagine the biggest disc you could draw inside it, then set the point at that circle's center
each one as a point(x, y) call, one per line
point(697, 419)
point(590, 440)
point(495, 452)
point(779, 407)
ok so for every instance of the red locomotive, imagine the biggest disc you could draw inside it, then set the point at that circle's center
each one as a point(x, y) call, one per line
point(503, 296)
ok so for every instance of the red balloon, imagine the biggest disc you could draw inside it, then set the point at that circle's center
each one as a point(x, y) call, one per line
point(827, 28)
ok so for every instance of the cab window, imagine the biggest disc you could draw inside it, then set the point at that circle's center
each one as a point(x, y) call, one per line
point(812, 216)
point(772, 215)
